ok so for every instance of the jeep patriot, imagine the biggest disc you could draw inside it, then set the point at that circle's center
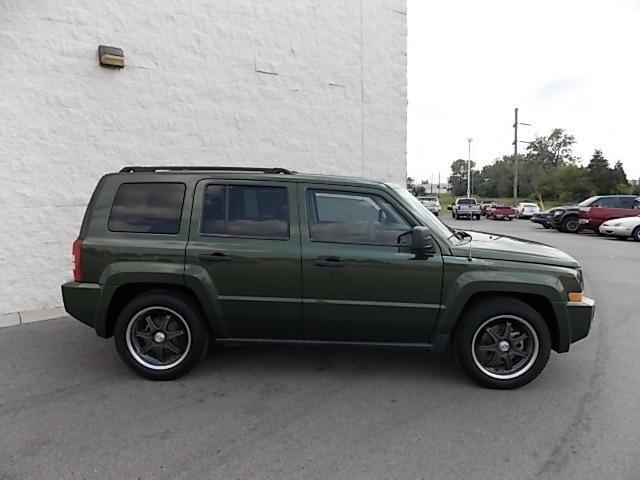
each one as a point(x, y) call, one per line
point(172, 260)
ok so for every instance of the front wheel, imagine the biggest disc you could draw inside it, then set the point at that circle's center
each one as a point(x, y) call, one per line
point(161, 335)
point(636, 234)
point(570, 225)
point(503, 343)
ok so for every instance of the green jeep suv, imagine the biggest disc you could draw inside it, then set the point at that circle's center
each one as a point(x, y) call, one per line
point(172, 259)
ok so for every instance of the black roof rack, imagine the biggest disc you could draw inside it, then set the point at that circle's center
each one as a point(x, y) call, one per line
point(210, 169)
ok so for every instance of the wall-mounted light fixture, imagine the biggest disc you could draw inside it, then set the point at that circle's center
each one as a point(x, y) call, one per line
point(111, 56)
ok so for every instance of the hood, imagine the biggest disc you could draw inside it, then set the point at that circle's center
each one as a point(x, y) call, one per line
point(499, 247)
point(626, 221)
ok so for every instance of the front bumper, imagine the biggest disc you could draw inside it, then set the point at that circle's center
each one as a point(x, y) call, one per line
point(580, 318)
point(540, 220)
point(81, 301)
point(615, 231)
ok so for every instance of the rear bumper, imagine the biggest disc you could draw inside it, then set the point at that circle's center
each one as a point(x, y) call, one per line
point(81, 301)
point(580, 318)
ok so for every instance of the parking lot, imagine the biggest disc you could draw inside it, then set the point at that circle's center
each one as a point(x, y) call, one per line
point(70, 409)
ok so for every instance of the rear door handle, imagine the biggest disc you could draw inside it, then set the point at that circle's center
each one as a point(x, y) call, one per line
point(214, 257)
point(331, 262)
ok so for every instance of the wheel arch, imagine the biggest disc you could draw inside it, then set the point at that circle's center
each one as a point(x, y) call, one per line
point(126, 292)
point(538, 302)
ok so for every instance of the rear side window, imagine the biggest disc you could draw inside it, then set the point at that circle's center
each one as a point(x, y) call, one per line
point(626, 202)
point(147, 208)
point(246, 211)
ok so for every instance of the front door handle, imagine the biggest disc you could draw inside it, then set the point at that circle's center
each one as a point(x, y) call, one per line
point(331, 262)
point(214, 257)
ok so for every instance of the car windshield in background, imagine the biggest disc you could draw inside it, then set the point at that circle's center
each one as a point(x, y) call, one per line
point(423, 214)
point(466, 201)
point(587, 202)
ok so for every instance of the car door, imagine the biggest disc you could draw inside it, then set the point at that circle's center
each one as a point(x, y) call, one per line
point(358, 284)
point(245, 236)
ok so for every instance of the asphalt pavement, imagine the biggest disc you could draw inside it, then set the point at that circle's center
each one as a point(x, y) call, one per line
point(69, 409)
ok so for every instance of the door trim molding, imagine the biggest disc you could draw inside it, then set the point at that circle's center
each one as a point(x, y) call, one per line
point(320, 301)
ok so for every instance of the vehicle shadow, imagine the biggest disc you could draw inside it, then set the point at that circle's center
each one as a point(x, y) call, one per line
point(332, 360)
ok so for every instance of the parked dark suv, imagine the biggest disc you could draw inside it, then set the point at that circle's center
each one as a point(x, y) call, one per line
point(591, 212)
point(172, 259)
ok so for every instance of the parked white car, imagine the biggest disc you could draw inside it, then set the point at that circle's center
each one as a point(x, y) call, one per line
point(432, 204)
point(526, 210)
point(622, 228)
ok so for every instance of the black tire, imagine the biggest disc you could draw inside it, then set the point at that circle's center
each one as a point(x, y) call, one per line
point(143, 344)
point(570, 224)
point(636, 234)
point(528, 335)
point(477, 217)
point(547, 226)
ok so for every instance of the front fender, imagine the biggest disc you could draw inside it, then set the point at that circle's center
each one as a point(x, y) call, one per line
point(465, 279)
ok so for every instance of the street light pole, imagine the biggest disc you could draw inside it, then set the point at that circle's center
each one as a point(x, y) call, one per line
point(515, 160)
point(469, 169)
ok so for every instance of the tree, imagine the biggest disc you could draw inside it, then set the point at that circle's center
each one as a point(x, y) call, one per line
point(603, 179)
point(416, 190)
point(567, 183)
point(458, 178)
point(556, 149)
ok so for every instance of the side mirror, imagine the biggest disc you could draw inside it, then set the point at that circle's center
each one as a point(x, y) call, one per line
point(419, 240)
point(449, 207)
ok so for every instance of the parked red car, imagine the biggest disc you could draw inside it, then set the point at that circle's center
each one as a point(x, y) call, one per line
point(500, 211)
point(484, 204)
point(606, 208)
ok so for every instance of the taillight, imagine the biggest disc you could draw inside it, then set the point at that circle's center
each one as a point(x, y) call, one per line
point(76, 253)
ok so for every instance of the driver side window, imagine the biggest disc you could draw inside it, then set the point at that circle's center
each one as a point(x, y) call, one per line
point(350, 217)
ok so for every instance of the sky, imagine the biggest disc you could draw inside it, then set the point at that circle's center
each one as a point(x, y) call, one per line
point(571, 64)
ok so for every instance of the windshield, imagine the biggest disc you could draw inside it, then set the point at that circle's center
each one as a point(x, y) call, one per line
point(425, 216)
point(587, 202)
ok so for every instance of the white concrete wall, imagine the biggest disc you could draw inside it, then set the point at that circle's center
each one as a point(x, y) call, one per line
point(316, 86)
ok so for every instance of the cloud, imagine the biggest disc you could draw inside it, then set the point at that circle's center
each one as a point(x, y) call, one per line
point(557, 87)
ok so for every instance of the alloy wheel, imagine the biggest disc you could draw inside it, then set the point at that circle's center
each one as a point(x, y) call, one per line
point(158, 338)
point(505, 347)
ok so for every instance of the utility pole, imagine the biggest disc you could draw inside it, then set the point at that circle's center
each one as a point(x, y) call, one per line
point(469, 169)
point(515, 160)
point(431, 183)
point(438, 189)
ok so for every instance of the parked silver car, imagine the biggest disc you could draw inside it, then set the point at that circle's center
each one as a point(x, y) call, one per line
point(526, 210)
point(432, 204)
point(622, 228)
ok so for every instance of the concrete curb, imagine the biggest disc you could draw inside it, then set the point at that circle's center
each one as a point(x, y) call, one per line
point(30, 316)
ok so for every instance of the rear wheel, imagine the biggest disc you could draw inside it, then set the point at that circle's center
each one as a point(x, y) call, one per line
point(570, 225)
point(161, 335)
point(503, 343)
point(636, 234)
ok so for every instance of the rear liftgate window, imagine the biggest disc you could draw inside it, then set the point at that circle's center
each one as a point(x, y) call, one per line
point(147, 208)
